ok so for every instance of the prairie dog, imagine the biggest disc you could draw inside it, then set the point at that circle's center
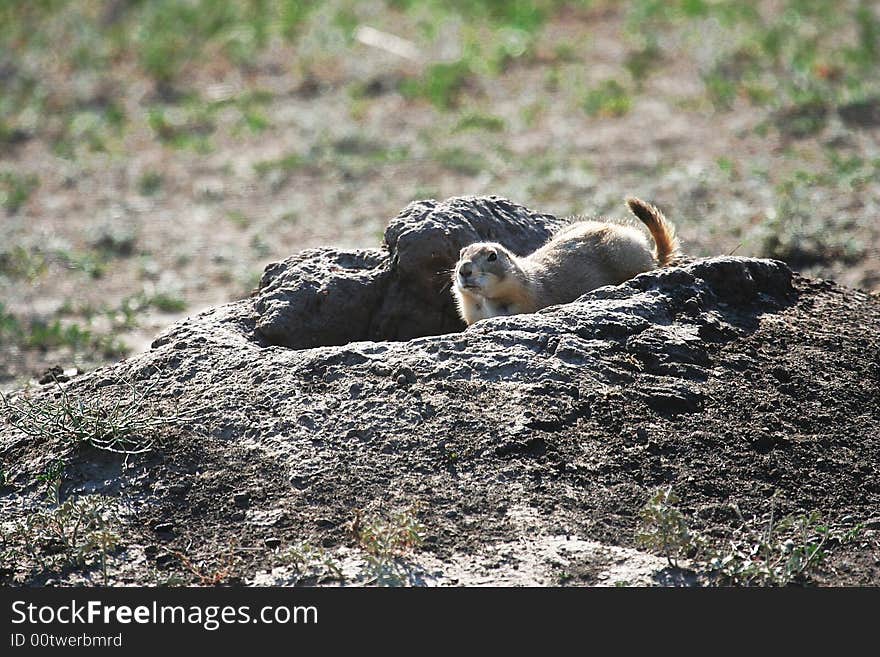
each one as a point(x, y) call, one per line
point(489, 280)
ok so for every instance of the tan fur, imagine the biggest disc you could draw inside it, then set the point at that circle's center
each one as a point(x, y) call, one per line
point(489, 280)
point(666, 247)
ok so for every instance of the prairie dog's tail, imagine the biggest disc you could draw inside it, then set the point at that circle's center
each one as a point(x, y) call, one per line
point(666, 247)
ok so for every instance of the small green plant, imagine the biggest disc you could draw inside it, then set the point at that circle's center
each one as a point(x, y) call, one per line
point(728, 167)
point(150, 183)
point(663, 527)
point(189, 128)
point(238, 217)
point(779, 553)
point(641, 62)
point(63, 532)
point(783, 552)
point(441, 84)
point(122, 422)
point(17, 261)
point(287, 164)
point(16, 189)
point(113, 239)
point(92, 263)
point(167, 302)
point(479, 121)
point(386, 542)
point(311, 564)
point(461, 161)
point(254, 121)
point(608, 99)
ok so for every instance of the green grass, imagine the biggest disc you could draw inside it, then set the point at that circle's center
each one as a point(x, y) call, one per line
point(16, 189)
point(45, 334)
point(72, 327)
point(607, 99)
point(170, 36)
point(108, 241)
point(167, 302)
point(441, 84)
point(355, 155)
point(460, 160)
point(286, 164)
point(803, 58)
point(150, 183)
point(125, 315)
point(160, 40)
point(794, 232)
point(92, 263)
point(10, 327)
point(480, 121)
point(190, 128)
point(642, 61)
point(19, 262)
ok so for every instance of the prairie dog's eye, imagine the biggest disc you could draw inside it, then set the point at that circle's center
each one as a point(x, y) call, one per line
point(492, 257)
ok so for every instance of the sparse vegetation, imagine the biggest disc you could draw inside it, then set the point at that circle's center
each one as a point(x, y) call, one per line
point(63, 532)
point(461, 161)
point(781, 553)
point(663, 527)
point(16, 189)
point(441, 84)
point(479, 121)
point(42, 334)
point(123, 422)
point(775, 552)
point(286, 164)
point(608, 99)
point(150, 183)
point(312, 565)
point(18, 262)
point(386, 542)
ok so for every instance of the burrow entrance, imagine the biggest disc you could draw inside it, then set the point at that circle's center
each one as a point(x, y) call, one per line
point(323, 297)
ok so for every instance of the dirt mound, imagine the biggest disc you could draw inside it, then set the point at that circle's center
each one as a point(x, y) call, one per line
point(521, 450)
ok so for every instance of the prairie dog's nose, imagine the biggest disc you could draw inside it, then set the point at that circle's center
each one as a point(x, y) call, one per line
point(466, 269)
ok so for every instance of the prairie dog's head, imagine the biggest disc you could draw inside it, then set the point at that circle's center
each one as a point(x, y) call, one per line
point(482, 267)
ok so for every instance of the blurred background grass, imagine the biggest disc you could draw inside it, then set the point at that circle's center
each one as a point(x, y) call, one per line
point(156, 154)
